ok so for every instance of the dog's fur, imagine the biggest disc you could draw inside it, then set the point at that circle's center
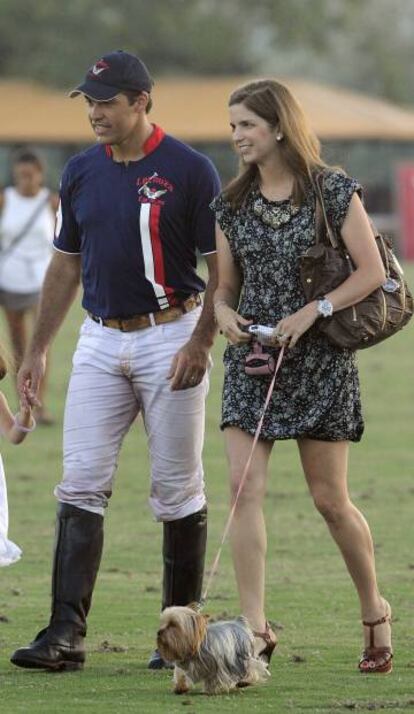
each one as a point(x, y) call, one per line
point(218, 654)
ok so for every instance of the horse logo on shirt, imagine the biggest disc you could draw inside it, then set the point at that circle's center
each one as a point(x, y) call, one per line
point(148, 193)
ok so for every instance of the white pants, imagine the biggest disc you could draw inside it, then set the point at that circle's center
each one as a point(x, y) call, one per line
point(116, 375)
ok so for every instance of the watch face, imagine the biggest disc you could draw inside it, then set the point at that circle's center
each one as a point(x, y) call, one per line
point(325, 308)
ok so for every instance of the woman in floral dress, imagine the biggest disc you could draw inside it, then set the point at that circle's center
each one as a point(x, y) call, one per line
point(265, 222)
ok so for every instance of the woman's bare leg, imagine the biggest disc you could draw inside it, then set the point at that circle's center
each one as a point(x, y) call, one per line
point(248, 531)
point(325, 465)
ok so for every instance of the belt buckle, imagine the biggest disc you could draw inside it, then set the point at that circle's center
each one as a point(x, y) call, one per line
point(193, 302)
point(124, 323)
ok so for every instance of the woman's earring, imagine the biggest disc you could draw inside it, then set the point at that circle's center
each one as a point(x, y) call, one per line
point(279, 136)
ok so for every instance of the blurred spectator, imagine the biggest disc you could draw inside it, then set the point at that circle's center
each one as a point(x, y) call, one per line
point(26, 233)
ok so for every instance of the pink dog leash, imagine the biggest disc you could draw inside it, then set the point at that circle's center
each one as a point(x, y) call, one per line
point(243, 479)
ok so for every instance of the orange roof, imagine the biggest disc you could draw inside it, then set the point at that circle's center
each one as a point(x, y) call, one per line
point(196, 110)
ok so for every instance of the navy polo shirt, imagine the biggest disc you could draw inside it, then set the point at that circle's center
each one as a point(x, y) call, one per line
point(137, 226)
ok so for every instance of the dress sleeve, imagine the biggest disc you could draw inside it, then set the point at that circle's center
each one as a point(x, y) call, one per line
point(338, 189)
point(224, 214)
point(67, 239)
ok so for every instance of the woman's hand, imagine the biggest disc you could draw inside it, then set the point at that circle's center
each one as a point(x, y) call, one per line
point(291, 328)
point(229, 322)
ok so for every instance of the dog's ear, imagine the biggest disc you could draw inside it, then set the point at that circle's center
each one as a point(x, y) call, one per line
point(199, 624)
point(194, 606)
point(197, 608)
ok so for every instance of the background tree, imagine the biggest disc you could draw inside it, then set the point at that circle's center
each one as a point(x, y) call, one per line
point(365, 44)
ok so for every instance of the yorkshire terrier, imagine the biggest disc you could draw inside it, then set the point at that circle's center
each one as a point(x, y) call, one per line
point(218, 654)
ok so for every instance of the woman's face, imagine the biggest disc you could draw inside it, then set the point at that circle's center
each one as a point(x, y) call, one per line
point(27, 178)
point(253, 137)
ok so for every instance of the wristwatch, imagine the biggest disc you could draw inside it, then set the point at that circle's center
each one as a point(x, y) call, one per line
point(324, 307)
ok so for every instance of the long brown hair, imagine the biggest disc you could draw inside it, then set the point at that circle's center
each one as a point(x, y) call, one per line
point(299, 147)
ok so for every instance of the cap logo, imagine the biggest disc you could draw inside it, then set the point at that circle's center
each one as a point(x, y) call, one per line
point(99, 67)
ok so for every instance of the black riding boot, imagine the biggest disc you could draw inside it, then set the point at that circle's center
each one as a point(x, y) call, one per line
point(184, 548)
point(78, 549)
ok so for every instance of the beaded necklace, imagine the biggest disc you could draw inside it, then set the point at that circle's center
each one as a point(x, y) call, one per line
point(273, 214)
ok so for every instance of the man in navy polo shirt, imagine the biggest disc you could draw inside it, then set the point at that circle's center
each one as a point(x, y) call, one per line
point(134, 209)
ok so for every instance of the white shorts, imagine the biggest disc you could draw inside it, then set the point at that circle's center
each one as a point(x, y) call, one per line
point(115, 376)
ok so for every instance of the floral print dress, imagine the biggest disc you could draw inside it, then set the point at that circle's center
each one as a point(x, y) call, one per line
point(316, 394)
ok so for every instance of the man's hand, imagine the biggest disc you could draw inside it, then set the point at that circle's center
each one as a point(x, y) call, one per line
point(189, 365)
point(29, 378)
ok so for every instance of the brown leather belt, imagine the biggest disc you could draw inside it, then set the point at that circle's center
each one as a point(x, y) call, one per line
point(139, 322)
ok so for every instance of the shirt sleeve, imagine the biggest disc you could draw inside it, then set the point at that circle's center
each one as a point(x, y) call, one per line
point(224, 214)
point(338, 189)
point(204, 188)
point(67, 238)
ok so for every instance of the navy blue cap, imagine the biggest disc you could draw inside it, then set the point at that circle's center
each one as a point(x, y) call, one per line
point(114, 73)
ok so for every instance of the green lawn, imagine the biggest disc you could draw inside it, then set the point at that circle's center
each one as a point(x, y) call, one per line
point(309, 594)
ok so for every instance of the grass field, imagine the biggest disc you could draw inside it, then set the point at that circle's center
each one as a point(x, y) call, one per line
point(309, 595)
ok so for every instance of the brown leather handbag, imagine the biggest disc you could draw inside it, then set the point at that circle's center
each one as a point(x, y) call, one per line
point(327, 264)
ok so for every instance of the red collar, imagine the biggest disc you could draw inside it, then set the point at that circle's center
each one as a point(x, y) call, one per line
point(153, 141)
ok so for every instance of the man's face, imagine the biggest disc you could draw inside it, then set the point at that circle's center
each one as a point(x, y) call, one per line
point(114, 121)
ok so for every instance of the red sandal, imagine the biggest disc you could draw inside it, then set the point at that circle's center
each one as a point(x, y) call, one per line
point(376, 660)
point(270, 640)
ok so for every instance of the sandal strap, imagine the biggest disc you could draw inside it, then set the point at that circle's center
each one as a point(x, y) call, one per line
point(375, 652)
point(381, 621)
point(266, 636)
point(372, 625)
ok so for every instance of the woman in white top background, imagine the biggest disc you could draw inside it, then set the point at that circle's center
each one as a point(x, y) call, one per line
point(26, 233)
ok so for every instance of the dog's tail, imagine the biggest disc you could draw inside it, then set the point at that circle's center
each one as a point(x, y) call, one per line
point(243, 621)
point(258, 671)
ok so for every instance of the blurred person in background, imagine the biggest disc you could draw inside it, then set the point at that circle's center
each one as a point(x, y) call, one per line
point(26, 235)
point(134, 210)
point(266, 222)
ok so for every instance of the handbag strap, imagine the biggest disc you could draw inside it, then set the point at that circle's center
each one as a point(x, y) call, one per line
point(30, 221)
point(323, 227)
